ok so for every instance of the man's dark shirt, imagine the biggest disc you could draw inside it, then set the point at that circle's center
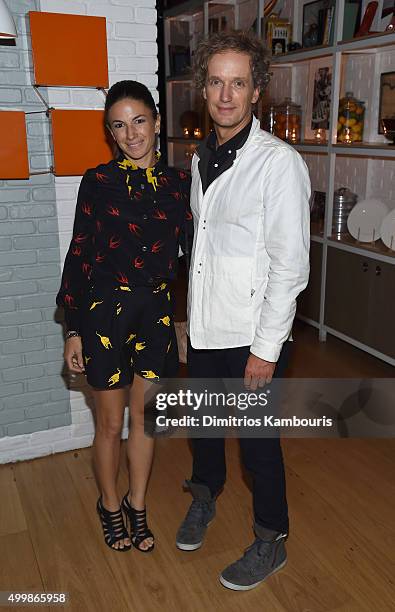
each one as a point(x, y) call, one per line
point(214, 160)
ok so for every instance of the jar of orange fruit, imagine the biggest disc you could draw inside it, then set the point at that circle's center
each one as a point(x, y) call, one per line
point(288, 119)
point(350, 120)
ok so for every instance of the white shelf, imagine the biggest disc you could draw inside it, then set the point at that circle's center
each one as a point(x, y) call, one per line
point(376, 250)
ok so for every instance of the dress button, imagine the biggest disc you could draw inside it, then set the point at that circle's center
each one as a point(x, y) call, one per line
point(145, 217)
point(144, 248)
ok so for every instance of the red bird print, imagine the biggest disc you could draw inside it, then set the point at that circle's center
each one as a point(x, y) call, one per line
point(99, 258)
point(138, 262)
point(98, 225)
point(171, 262)
point(76, 250)
point(86, 208)
point(114, 242)
point(176, 231)
point(69, 300)
point(80, 238)
point(138, 195)
point(102, 178)
point(135, 229)
point(159, 214)
point(122, 278)
point(86, 268)
point(157, 246)
point(182, 175)
point(176, 195)
point(188, 216)
point(164, 181)
point(113, 211)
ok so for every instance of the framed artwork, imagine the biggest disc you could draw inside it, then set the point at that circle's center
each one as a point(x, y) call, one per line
point(318, 23)
point(69, 50)
point(387, 14)
point(318, 96)
point(387, 98)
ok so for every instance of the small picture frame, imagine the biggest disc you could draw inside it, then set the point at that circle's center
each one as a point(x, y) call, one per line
point(179, 60)
point(318, 23)
point(387, 98)
point(318, 97)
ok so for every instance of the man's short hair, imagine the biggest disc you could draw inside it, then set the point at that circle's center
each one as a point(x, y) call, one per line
point(240, 42)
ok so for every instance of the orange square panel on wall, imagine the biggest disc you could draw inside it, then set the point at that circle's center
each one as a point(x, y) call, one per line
point(69, 50)
point(79, 141)
point(14, 161)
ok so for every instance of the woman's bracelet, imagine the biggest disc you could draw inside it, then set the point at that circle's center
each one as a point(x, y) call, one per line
point(72, 334)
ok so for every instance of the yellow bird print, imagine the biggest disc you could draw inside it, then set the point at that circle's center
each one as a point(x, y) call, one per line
point(168, 347)
point(165, 321)
point(160, 288)
point(128, 341)
point(140, 346)
point(168, 295)
point(125, 288)
point(119, 308)
point(94, 304)
point(87, 359)
point(105, 341)
point(150, 178)
point(126, 163)
point(114, 378)
point(149, 374)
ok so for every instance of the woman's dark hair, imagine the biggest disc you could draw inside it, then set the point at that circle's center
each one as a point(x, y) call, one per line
point(129, 89)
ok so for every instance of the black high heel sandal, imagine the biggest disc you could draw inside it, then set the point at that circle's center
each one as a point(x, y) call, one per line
point(113, 526)
point(138, 525)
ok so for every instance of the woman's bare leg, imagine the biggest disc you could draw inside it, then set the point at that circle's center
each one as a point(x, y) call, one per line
point(140, 450)
point(110, 407)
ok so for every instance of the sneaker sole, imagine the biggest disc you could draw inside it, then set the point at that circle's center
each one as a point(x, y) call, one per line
point(190, 547)
point(242, 587)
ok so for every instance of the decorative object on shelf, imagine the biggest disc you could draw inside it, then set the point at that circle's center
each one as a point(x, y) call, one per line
point(197, 133)
point(63, 53)
point(287, 121)
point(352, 9)
point(269, 118)
point(320, 136)
point(387, 16)
point(387, 106)
point(179, 59)
point(367, 19)
point(294, 46)
point(318, 96)
point(269, 6)
point(350, 119)
point(388, 230)
point(189, 121)
point(318, 23)
point(278, 34)
point(7, 25)
point(365, 220)
point(344, 201)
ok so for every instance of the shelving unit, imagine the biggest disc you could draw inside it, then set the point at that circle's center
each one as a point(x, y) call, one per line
point(367, 168)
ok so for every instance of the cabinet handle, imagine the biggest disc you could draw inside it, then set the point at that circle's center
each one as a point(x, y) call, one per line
point(365, 266)
point(378, 270)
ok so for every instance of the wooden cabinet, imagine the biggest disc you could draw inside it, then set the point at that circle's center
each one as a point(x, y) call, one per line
point(360, 293)
point(309, 299)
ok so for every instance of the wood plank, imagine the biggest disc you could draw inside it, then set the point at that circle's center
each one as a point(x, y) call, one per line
point(19, 570)
point(12, 518)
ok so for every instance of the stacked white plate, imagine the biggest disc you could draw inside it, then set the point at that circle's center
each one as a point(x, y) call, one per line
point(388, 230)
point(366, 219)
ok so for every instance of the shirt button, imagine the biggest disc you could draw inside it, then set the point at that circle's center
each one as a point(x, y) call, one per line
point(215, 165)
point(144, 248)
point(154, 201)
point(230, 151)
point(145, 217)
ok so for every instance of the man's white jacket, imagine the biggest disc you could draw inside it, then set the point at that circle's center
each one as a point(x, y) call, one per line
point(250, 256)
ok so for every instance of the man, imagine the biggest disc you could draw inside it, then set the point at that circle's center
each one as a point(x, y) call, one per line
point(250, 260)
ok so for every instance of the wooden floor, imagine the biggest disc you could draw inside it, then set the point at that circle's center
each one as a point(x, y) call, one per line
point(341, 547)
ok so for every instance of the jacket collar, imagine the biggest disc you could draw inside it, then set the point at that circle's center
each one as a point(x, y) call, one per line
point(201, 150)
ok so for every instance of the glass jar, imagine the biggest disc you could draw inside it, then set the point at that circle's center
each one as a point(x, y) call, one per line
point(268, 118)
point(350, 120)
point(288, 120)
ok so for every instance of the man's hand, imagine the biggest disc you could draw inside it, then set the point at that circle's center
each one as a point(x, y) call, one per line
point(258, 372)
point(73, 355)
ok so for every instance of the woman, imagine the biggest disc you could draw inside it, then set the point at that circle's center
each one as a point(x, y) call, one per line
point(130, 218)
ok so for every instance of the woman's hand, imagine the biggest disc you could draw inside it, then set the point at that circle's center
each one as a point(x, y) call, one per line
point(73, 355)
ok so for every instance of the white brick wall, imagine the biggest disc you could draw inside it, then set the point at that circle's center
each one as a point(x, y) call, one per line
point(132, 54)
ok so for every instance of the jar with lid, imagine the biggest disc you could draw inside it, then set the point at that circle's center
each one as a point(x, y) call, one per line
point(288, 120)
point(344, 201)
point(351, 119)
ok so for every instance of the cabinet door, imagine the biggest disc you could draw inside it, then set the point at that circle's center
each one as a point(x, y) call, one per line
point(381, 326)
point(347, 293)
point(309, 299)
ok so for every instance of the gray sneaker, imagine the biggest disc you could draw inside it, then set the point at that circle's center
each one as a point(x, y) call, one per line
point(192, 530)
point(263, 558)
